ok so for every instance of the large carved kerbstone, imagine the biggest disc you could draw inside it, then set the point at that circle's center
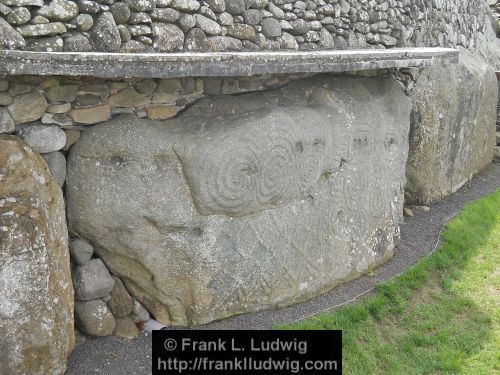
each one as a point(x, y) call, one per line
point(452, 132)
point(36, 293)
point(246, 202)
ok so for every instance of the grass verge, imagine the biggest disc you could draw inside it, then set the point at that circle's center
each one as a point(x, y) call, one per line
point(441, 316)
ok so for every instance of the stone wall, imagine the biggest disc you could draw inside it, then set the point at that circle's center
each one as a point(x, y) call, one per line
point(229, 25)
point(36, 294)
point(72, 103)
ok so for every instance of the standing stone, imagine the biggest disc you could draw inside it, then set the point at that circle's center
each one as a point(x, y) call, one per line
point(28, 107)
point(36, 294)
point(452, 128)
point(271, 208)
point(94, 318)
point(43, 138)
point(80, 250)
point(104, 36)
point(7, 124)
point(92, 280)
point(57, 166)
point(9, 37)
point(167, 37)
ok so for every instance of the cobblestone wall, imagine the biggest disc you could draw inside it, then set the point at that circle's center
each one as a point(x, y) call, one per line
point(227, 25)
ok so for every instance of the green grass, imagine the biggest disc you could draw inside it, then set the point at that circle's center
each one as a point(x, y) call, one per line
point(441, 316)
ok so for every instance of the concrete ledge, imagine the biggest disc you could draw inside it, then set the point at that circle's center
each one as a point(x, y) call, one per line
point(160, 65)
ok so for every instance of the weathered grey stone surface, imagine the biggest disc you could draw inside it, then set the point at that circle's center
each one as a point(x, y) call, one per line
point(80, 250)
point(120, 302)
point(220, 64)
point(125, 327)
point(6, 123)
point(77, 42)
point(36, 294)
point(139, 313)
point(57, 166)
point(352, 23)
point(52, 28)
point(59, 10)
point(224, 222)
point(452, 128)
point(92, 280)
point(19, 16)
point(167, 37)
point(28, 107)
point(9, 37)
point(43, 138)
point(104, 36)
point(50, 43)
point(94, 318)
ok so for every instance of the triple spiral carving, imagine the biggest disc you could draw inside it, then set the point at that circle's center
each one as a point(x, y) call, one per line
point(240, 178)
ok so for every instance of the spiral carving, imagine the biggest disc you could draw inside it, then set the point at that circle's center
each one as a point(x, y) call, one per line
point(231, 171)
point(238, 176)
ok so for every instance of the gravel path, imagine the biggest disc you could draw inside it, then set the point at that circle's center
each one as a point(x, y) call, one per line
point(420, 235)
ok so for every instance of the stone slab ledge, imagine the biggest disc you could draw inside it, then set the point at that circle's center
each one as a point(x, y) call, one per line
point(161, 65)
